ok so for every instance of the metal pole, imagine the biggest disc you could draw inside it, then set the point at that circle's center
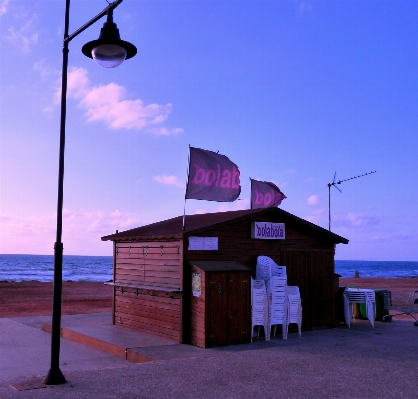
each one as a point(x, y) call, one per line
point(329, 206)
point(185, 194)
point(55, 376)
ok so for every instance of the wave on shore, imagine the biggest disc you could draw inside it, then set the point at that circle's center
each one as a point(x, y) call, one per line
point(99, 268)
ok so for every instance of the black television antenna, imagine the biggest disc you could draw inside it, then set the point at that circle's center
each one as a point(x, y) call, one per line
point(334, 183)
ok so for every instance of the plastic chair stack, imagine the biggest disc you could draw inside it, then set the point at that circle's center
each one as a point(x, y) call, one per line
point(259, 308)
point(294, 307)
point(276, 283)
point(278, 305)
point(356, 295)
point(266, 268)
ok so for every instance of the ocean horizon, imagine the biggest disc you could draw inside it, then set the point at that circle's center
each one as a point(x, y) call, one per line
point(17, 268)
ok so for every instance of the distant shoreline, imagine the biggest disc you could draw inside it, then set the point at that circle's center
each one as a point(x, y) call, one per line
point(33, 298)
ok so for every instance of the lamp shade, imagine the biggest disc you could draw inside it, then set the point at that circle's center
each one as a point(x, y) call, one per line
point(109, 50)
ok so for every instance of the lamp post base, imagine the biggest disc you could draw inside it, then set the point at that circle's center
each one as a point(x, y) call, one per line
point(54, 377)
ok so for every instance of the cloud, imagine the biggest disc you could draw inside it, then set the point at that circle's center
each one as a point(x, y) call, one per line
point(24, 36)
point(315, 217)
point(170, 180)
point(82, 231)
point(234, 206)
point(109, 104)
point(289, 171)
point(4, 6)
point(104, 223)
point(5, 219)
point(44, 70)
point(356, 220)
point(313, 200)
point(395, 237)
point(304, 7)
point(163, 131)
point(237, 205)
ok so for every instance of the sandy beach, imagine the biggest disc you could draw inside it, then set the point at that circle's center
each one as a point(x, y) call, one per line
point(35, 298)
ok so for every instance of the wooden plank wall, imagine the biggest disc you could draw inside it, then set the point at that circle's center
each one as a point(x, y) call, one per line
point(155, 312)
point(198, 313)
point(149, 297)
point(150, 263)
point(309, 261)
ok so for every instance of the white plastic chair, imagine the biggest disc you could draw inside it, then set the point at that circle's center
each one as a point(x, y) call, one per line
point(259, 308)
point(266, 267)
point(356, 295)
point(294, 306)
point(278, 307)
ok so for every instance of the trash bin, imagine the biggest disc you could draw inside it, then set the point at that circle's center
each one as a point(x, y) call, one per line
point(382, 298)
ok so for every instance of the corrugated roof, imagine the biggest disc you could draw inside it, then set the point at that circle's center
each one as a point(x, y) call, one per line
point(173, 228)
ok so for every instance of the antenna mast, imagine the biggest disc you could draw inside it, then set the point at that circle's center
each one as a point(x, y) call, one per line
point(334, 183)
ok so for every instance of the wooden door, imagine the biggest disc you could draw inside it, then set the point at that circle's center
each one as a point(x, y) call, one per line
point(229, 309)
point(217, 325)
point(239, 308)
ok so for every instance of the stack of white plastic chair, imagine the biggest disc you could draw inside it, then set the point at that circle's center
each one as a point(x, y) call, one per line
point(294, 307)
point(266, 267)
point(276, 282)
point(259, 308)
point(355, 295)
point(262, 270)
point(278, 308)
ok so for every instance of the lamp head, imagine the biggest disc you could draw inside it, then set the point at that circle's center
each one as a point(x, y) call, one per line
point(109, 50)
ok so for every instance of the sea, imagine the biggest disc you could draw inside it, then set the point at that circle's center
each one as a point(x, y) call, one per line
point(16, 268)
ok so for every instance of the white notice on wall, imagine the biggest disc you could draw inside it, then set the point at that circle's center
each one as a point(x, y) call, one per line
point(203, 243)
point(195, 243)
point(210, 243)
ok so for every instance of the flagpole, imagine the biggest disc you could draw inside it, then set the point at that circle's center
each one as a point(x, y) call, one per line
point(185, 194)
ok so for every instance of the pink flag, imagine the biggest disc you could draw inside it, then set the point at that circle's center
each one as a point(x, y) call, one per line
point(265, 194)
point(212, 177)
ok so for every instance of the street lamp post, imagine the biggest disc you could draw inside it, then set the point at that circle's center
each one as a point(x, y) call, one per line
point(108, 51)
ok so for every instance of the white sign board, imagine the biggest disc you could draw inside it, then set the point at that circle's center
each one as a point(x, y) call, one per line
point(267, 231)
point(203, 243)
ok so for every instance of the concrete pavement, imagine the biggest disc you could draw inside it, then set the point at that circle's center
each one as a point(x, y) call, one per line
point(360, 362)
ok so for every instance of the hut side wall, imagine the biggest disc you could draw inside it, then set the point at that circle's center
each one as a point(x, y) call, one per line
point(309, 261)
point(148, 282)
point(198, 313)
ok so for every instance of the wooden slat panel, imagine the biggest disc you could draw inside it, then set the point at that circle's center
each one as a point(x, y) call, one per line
point(126, 263)
point(173, 284)
point(158, 314)
point(168, 333)
point(172, 306)
point(169, 271)
point(166, 281)
point(162, 315)
point(150, 296)
point(152, 307)
point(136, 248)
point(149, 256)
point(146, 322)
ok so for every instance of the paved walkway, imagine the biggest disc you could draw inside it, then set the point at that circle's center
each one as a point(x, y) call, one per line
point(359, 362)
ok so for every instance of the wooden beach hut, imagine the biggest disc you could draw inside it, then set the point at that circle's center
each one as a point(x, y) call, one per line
point(192, 285)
